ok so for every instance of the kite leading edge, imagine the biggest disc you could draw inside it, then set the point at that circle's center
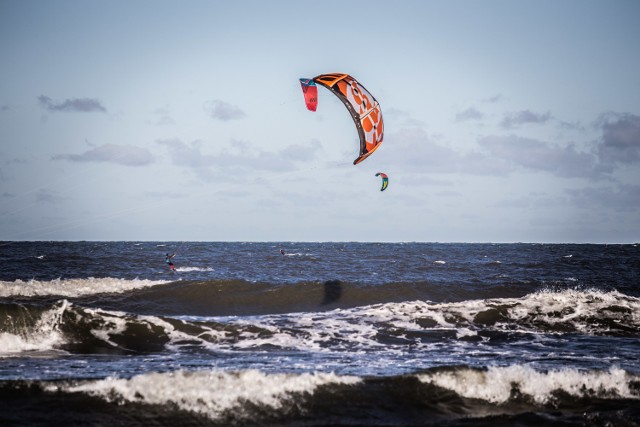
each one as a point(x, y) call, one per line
point(363, 107)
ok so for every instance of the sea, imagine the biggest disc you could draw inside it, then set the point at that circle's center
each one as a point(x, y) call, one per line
point(326, 334)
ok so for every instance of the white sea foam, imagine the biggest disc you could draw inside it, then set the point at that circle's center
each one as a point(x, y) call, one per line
point(360, 327)
point(186, 269)
point(42, 337)
point(549, 307)
point(73, 287)
point(496, 384)
point(210, 393)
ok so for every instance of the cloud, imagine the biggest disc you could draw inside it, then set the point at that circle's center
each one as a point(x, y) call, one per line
point(163, 117)
point(469, 114)
point(82, 105)
point(49, 196)
point(188, 155)
point(128, 155)
point(401, 117)
point(538, 155)
point(301, 153)
point(493, 99)
point(622, 198)
point(224, 111)
point(16, 160)
point(164, 195)
point(620, 139)
point(518, 118)
point(241, 156)
point(413, 148)
point(620, 144)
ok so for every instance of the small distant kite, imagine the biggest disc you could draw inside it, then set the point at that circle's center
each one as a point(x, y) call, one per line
point(385, 180)
point(363, 107)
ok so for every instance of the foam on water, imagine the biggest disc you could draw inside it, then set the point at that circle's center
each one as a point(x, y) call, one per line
point(73, 287)
point(498, 384)
point(590, 312)
point(42, 337)
point(382, 327)
point(568, 307)
point(187, 269)
point(211, 393)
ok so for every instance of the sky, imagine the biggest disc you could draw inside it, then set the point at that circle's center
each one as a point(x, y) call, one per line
point(505, 121)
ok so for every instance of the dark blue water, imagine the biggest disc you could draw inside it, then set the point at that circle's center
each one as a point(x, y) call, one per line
point(326, 334)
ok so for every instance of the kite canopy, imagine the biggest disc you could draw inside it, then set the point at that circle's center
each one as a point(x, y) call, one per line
point(362, 106)
point(310, 91)
point(385, 180)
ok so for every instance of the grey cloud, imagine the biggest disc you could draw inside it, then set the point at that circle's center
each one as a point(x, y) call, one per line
point(402, 117)
point(539, 155)
point(575, 126)
point(518, 118)
point(302, 153)
point(165, 121)
point(493, 99)
point(224, 111)
point(164, 195)
point(48, 196)
point(622, 198)
point(243, 156)
point(420, 152)
point(620, 139)
point(82, 105)
point(16, 160)
point(469, 114)
point(163, 117)
point(128, 155)
point(188, 155)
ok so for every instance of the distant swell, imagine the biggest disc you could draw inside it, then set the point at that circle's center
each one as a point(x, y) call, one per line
point(451, 395)
point(239, 298)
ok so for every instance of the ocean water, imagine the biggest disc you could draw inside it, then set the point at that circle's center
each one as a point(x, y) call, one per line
point(328, 334)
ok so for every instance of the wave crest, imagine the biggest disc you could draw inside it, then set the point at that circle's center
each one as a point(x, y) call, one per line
point(73, 287)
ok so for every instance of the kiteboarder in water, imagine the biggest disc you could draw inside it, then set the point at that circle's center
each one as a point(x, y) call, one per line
point(169, 263)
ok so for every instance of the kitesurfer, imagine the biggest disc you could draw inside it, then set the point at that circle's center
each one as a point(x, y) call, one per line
point(282, 252)
point(169, 262)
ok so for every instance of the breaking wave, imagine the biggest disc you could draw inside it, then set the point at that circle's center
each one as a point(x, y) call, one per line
point(250, 397)
point(73, 287)
point(72, 327)
point(501, 385)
